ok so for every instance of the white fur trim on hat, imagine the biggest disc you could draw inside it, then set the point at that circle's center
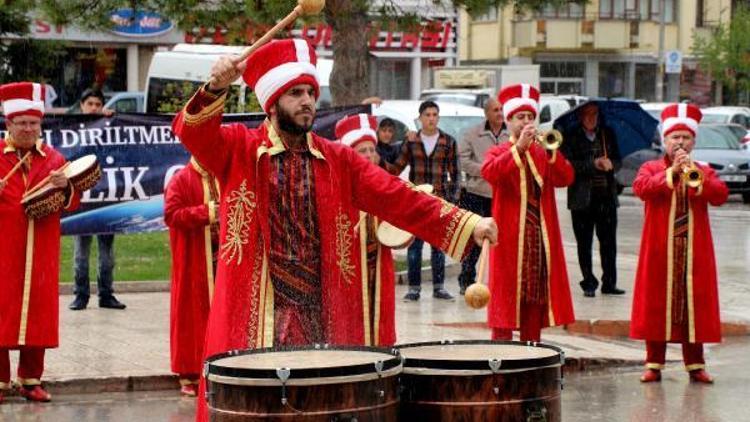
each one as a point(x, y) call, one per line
point(20, 105)
point(279, 76)
point(514, 104)
point(351, 137)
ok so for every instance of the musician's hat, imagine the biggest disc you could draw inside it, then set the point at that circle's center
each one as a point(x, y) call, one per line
point(278, 66)
point(519, 97)
point(357, 128)
point(22, 98)
point(680, 117)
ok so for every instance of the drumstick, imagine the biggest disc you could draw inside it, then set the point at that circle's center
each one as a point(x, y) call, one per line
point(16, 167)
point(361, 219)
point(44, 181)
point(482, 260)
point(304, 7)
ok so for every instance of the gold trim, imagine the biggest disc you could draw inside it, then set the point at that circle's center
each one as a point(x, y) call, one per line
point(260, 279)
point(690, 303)
point(699, 190)
point(277, 145)
point(670, 265)
point(344, 245)
point(5, 386)
point(268, 308)
point(670, 181)
point(71, 197)
point(207, 237)
point(378, 293)
point(29, 382)
point(363, 274)
point(548, 259)
point(695, 366)
point(11, 147)
point(657, 366)
point(242, 205)
point(535, 172)
point(519, 251)
point(212, 110)
point(515, 153)
point(464, 234)
point(27, 283)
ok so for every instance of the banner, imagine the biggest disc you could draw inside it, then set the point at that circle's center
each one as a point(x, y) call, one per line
point(138, 153)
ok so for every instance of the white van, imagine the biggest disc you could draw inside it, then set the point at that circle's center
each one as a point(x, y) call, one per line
point(175, 75)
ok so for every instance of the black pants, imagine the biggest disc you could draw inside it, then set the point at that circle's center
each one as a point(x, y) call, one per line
point(478, 205)
point(602, 216)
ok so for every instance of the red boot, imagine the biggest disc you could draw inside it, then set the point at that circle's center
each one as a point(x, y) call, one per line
point(34, 393)
point(651, 375)
point(701, 376)
point(189, 390)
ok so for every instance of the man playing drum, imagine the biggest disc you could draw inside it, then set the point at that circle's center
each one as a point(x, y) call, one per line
point(676, 295)
point(30, 247)
point(358, 132)
point(191, 204)
point(289, 271)
point(528, 276)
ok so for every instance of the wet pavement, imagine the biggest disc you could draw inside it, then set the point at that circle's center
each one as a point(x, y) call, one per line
point(106, 350)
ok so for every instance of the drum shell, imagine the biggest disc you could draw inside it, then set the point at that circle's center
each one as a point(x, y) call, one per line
point(47, 203)
point(370, 400)
point(527, 395)
point(87, 179)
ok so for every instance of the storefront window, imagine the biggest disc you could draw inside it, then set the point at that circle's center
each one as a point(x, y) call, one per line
point(612, 79)
point(393, 79)
point(645, 87)
point(104, 68)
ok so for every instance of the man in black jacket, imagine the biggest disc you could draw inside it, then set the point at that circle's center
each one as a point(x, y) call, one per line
point(592, 198)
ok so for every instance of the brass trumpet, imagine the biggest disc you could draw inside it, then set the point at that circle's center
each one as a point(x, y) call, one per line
point(692, 176)
point(550, 140)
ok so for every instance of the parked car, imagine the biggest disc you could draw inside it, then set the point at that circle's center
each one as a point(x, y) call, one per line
point(718, 146)
point(120, 102)
point(737, 115)
point(454, 118)
point(550, 108)
point(468, 97)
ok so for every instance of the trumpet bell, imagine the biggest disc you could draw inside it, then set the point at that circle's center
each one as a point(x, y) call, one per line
point(693, 177)
point(550, 140)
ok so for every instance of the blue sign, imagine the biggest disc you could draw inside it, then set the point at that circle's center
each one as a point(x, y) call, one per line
point(139, 24)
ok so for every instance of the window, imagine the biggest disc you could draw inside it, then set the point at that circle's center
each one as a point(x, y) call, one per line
point(567, 11)
point(636, 9)
point(126, 105)
point(489, 16)
point(545, 115)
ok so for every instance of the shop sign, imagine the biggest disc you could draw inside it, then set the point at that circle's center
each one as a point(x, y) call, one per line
point(139, 24)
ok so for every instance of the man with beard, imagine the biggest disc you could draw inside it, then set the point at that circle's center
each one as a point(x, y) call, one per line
point(288, 272)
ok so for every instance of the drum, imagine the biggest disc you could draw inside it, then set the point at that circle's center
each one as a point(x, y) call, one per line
point(481, 381)
point(44, 201)
point(426, 188)
point(393, 237)
point(84, 173)
point(311, 383)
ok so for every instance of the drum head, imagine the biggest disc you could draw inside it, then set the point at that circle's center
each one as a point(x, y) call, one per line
point(41, 193)
point(478, 354)
point(80, 165)
point(302, 363)
point(391, 236)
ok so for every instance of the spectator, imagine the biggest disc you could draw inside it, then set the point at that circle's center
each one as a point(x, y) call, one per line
point(387, 148)
point(477, 196)
point(433, 159)
point(592, 198)
point(92, 102)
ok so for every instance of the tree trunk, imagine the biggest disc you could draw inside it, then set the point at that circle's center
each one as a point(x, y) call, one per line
point(350, 77)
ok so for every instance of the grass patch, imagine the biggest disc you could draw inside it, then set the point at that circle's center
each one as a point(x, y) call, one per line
point(138, 257)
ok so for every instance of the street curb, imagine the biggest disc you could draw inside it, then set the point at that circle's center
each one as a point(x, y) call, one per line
point(621, 328)
point(156, 286)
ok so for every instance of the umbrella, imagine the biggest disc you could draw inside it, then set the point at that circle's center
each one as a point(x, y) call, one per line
point(632, 125)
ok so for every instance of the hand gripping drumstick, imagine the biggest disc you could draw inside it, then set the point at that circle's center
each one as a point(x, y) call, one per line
point(16, 167)
point(304, 7)
point(478, 295)
point(44, 181)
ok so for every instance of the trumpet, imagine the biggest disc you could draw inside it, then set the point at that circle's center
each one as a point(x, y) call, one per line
point(550, 140)
point(692, 176)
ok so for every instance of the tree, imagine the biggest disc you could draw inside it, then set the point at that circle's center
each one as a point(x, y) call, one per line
point(349, 20)
point(726, 54)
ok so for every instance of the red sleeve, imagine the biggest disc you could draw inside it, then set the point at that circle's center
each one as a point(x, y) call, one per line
point(436, 221)
point(652, 181)
point(561, 171)
point(502, 166)
point(713, 189)
point(178, 212)
point(198, 126)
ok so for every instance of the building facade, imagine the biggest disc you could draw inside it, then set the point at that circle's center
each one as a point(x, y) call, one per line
point(607, 48)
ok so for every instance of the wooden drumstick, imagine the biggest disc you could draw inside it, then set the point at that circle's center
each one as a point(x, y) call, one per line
point(16, 167)
point(478, 295)
point(304, 7)
point(361, 219)
point(44, 181)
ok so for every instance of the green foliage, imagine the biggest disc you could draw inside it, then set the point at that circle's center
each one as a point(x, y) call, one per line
point(30, 60)
point(726, 54)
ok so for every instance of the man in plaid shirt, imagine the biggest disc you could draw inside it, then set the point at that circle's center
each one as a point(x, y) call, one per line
point(433, 159)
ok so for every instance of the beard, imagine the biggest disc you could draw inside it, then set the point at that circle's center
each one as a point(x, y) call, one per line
point(288, 125)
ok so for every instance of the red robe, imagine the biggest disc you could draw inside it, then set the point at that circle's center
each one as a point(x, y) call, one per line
point(187, 212)
point(30, 255)
point(383, 290)
point(651, 315)
point(505, 169)
point(241, 315)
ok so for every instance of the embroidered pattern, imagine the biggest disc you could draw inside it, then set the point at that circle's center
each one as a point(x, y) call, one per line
point(344, 241)
point(241, 206)
point(446, 208)
point(253, 322)
point(450, 229)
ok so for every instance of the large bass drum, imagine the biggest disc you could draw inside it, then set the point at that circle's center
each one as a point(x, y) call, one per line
point(481, 381)
point(312, 383)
